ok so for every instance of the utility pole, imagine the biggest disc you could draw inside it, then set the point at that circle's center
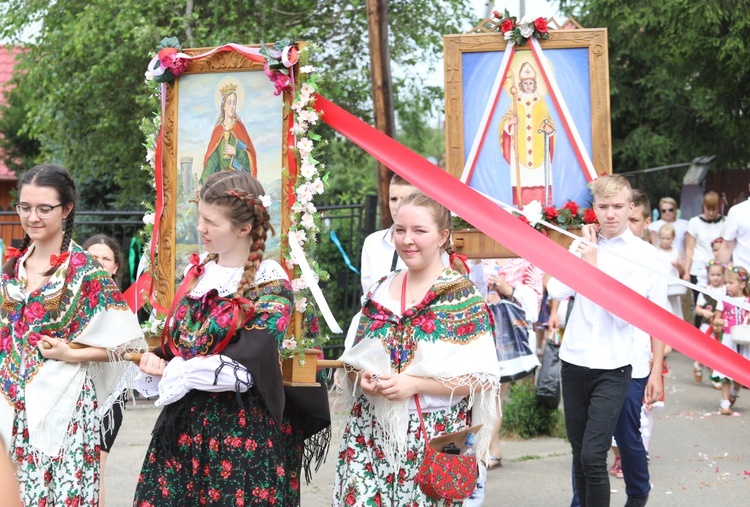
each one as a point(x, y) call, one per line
point(382, 92)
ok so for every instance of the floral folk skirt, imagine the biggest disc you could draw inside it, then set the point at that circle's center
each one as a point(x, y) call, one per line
point(214, 450)
point(364, 477)
point(71, 479)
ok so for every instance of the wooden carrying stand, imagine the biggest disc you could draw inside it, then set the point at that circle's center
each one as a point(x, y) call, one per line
point(301, 373)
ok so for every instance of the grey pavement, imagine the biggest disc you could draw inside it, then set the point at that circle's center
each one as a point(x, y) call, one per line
point(698, 457)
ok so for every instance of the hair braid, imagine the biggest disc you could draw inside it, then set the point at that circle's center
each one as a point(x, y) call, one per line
point(239, 194)
point(25, 243)
point(456, 263)
point(258, 247)
point(9, 268)
point(67, 238)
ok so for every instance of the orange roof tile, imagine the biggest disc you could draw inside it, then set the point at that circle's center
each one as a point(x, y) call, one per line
point(7, 63)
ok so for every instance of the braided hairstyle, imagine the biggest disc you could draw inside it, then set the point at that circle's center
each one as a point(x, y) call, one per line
point(238, 193)
point(53, 176)
point(442, 216)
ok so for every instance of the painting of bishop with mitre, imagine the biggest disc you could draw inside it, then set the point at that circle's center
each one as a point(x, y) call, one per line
point(526, 136)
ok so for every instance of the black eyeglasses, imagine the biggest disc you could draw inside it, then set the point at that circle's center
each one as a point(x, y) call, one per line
point(667, 210)
point(43, 211)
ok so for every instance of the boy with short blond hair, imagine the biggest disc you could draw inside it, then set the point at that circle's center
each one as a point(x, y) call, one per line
point(597, 348)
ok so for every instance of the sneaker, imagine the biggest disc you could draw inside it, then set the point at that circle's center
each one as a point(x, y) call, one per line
point(732, 399)
point(616, 469)
point(726, 411)
point(698, 373)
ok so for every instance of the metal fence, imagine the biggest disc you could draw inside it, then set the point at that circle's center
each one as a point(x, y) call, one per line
point(343, 230)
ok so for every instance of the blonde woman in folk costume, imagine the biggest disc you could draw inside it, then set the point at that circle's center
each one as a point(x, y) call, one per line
point(529, 116)
point(230, 147)
point(423, 330)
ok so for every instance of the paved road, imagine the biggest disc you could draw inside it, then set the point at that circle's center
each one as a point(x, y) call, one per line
point(698, 457)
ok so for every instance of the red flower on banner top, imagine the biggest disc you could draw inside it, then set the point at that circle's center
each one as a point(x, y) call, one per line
point(279, 60)
point(569, 216)
point(518, 32)
point(168, 62)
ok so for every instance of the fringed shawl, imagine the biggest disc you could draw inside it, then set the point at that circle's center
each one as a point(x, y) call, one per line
point(80, 303)
point(448, 336)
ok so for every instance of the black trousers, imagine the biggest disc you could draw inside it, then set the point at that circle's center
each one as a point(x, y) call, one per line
point(593, 400)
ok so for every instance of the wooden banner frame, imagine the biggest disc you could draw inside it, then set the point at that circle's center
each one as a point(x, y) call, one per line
point(457, 145)
point(172, 253)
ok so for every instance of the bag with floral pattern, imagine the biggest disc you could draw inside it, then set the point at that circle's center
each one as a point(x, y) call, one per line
point(445, 475)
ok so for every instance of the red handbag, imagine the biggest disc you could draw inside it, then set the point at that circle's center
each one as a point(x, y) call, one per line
point(444, 475)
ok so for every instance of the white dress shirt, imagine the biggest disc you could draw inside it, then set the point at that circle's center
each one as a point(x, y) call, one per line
point(596, 338)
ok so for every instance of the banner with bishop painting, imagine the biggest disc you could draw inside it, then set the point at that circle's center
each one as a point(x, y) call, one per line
point(528, 122)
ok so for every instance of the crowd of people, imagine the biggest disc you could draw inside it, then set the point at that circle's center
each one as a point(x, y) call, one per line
point(681, 249)
point(428, 354)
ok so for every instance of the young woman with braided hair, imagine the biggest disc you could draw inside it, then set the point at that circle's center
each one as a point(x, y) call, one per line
point(219, 438)
point(56, 299)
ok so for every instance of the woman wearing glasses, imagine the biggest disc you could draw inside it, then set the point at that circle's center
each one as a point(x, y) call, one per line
point(62, 323)
point(668, 215)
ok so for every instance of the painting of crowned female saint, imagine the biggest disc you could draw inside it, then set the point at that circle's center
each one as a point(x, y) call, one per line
point(227, 121)
point(527, 138)
point(230, 147)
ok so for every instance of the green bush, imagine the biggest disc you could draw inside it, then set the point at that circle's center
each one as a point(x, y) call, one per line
point(523, 417)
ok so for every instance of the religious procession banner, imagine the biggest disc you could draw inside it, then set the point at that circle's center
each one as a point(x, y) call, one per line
point(527, 110)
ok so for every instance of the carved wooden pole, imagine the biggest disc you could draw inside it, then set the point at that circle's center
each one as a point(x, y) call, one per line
point(382, 92)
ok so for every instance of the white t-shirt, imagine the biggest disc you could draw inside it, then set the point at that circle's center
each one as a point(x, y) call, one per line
point(680, 228)
point(737, 228)
point(704, 233)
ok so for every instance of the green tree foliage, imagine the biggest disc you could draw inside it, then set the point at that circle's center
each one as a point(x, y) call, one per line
point(19, 148)
point(81, 80)
point(679, 78)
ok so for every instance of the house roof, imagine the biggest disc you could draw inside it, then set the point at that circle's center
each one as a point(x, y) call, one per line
point(7, 62)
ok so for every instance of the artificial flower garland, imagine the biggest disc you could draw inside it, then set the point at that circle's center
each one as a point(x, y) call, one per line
point(569, 216)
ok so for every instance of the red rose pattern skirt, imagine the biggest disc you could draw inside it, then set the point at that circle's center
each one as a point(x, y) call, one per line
point(363, 475)
point(72, 479)
point(218, 452)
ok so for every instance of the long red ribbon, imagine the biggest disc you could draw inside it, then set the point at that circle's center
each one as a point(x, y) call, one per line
point(159, 206)
point(534, 247)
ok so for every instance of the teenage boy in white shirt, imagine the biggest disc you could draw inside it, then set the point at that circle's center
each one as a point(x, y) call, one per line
point(378, 251)
point(597, 348)
point(736, 245)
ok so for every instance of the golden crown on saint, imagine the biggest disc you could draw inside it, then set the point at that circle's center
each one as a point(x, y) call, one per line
point(228, 88)
point(527, 72)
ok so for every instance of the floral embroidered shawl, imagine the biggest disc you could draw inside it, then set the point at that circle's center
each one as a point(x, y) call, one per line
point(80, 303)
point(448, 336)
